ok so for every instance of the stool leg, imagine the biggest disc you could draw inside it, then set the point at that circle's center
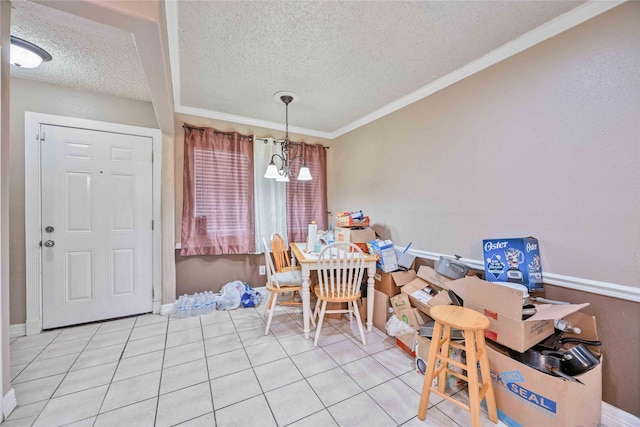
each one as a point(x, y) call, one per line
point(472, 374)
point(486, 377)
point(444, 352)
point(428, 375)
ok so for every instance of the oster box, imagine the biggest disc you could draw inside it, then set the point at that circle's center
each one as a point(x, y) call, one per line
point(514, 260)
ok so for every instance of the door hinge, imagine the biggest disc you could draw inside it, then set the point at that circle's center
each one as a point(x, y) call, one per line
point(152, 157)
point(40, 136)
point(153, 223)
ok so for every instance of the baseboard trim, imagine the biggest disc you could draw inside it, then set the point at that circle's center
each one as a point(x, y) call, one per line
point(577, 283)
point(612, 416)
point(19, 330)
point(9, 403)
point(166, 309)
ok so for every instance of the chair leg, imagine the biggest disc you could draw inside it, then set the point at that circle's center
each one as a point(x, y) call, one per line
point(320, 319)
point(273, 301)
point(356, 313)
point(312, 317)
point(315, 310)
point(266, 307)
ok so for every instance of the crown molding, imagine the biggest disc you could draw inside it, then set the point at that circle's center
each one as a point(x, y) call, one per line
point(201, 112)
point(544, 32)
point(561, 23)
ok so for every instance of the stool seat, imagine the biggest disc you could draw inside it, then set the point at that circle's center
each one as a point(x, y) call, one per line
point(472, 324)
point(460, 317)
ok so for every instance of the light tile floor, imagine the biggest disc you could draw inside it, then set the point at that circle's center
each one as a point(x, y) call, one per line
point(218, 370)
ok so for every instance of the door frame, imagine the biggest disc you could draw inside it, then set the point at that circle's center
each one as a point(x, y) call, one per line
point(33, 205)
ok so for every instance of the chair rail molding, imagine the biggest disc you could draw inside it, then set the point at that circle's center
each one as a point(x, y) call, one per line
point(614, 290)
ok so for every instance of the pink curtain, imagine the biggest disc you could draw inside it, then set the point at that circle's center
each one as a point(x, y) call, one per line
point(217, 210)
point(307, 200)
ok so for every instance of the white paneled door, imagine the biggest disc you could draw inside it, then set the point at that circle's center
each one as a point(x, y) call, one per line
point(96, 225)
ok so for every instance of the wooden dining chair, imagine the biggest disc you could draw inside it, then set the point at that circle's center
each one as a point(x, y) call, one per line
point(278, 283)
point(282, 263)
point(341, 267)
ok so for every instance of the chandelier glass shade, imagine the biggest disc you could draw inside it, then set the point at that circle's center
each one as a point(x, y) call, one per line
point(280, 167)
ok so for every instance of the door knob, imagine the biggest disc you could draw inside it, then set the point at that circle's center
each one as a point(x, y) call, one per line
point(49, 229)
point(49, 243)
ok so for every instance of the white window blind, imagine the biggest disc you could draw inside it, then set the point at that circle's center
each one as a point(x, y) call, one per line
point(222, 192)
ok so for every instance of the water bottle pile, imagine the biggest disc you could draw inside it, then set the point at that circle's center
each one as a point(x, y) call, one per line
point(196, 304)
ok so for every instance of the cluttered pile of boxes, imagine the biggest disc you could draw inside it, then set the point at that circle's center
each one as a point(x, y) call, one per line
point(532, 349)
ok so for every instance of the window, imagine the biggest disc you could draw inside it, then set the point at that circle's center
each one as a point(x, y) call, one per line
point(217, 215)
point(307, 200)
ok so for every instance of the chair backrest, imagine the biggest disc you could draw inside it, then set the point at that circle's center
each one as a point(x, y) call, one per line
point(271, 272)
point(340, 270)
point(280, 255)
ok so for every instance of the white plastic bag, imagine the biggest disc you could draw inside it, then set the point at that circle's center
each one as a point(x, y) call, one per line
point(396, 327)
point(230, 296)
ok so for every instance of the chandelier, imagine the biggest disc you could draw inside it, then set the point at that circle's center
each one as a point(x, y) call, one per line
point(289, 154)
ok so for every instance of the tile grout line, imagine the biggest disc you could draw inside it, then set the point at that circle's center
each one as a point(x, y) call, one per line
point(66, 373)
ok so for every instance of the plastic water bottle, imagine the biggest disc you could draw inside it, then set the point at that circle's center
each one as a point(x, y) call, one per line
point(180, 308)
point(330, 236)
point(188, 304)
point(209, 303)
point(197, 305)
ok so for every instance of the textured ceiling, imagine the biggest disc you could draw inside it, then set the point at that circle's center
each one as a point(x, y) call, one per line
point(344, 59)
point(347, 60)
point(87, 55)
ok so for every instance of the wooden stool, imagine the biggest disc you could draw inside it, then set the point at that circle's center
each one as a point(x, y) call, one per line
point(473, 325)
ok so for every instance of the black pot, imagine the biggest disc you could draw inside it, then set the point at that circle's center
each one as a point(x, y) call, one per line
point(549, 362)
point(575, 361)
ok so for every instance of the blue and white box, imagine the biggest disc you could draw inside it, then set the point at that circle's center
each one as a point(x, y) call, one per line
point(384, 251)
point(513, 260)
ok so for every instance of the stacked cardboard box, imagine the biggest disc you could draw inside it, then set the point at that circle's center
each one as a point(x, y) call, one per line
point(503, 306)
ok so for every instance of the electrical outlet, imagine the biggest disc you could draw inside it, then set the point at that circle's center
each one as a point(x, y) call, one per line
point(262, 270)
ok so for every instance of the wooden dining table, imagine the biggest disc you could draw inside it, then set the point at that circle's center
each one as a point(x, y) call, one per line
point(308, 262)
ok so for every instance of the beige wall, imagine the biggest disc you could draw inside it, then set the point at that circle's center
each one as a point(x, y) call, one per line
point(49, 99)
point(544, 144)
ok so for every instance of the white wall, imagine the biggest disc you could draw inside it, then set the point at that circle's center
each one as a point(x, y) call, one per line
point(546, 143)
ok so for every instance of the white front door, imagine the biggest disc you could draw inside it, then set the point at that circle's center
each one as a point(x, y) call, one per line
point(96, 225)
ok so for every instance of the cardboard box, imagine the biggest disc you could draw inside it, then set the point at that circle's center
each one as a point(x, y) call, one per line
point(423, 294)
point(403, 310)
point(359, 236)
point(406, 261)
point(348, 221)
point(381, 306)
point(362, 309)
point(405, 342)
point(429, 275)
point(421, 347)
point(384, 251)
point(513, 260)
point(527, 397)
point(390, 283)
point(503, 306)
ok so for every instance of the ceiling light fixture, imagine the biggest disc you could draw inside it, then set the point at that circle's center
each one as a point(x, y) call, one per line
point(284, 172)
point(27, 55)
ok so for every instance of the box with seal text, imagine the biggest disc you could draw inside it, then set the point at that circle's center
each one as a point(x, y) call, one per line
point(513, 260)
